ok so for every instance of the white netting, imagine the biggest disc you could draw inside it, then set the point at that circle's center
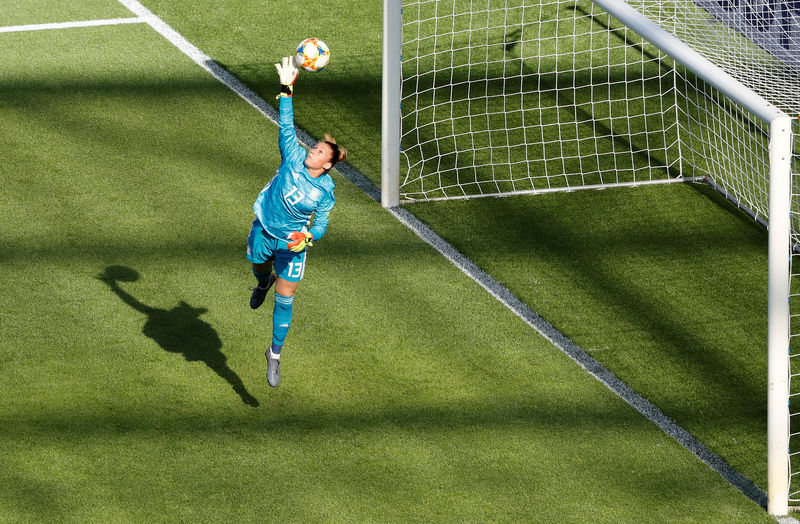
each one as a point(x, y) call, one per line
point(530, 95)
point(514, 96)
point(758, 43)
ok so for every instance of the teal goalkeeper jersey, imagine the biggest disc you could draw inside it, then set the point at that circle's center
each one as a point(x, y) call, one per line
point(287, 203)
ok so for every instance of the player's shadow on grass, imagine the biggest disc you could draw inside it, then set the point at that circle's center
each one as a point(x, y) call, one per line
point(179, 330)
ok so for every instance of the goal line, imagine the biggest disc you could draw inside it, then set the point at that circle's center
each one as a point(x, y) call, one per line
point(585, 187)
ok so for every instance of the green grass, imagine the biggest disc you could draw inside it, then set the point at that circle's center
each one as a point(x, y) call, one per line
point(408, 393)
point(668, 301)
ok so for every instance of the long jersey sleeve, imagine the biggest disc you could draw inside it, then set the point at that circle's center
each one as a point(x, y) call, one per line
point(287, 203)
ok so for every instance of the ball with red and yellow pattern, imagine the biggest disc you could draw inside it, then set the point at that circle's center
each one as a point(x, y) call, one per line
point(312, 55)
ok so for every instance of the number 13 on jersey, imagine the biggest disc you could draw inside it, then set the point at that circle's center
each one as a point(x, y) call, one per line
point(294, 196)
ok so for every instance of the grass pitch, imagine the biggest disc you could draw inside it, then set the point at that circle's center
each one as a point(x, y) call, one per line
point(408, 393)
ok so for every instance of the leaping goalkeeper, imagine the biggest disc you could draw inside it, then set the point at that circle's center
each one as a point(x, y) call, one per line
point(280, 236)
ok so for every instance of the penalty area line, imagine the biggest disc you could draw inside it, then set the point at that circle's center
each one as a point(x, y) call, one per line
point(69, 25)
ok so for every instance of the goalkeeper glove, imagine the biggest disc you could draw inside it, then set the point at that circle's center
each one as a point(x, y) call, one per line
point(299, 240)
point(287, 72)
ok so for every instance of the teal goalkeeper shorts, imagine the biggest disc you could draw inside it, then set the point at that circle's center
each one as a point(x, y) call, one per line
point(263, 247)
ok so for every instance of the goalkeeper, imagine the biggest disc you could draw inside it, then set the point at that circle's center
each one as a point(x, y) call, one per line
point(280, 234)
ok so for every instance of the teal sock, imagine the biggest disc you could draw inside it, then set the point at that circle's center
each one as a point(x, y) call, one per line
point(263, 278)
point(281, 320)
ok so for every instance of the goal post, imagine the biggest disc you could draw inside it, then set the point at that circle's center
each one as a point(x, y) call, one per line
point(778, 315)
point(390, 103)
point(499, 97)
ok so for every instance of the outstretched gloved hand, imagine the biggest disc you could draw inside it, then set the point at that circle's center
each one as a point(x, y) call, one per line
point(287, 72)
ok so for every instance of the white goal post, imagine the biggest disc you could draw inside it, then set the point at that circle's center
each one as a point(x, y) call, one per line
point(493, 97)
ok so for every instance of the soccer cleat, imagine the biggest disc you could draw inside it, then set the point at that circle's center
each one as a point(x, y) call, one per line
point(273, 369)
point(260, 293)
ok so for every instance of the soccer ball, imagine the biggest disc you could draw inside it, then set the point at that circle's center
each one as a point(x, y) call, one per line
point(312, 55)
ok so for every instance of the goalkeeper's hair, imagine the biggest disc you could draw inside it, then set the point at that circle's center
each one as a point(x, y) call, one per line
point(339, 153)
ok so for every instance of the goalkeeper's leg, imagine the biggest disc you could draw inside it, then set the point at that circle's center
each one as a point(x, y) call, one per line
point(261, 253)
point(265, 278)
point(281, 322)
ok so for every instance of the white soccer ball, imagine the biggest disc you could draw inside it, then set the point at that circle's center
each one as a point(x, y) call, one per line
point(312, 55)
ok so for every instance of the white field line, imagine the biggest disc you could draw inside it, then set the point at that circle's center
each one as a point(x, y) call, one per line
point(497, 290)
point(69, 25)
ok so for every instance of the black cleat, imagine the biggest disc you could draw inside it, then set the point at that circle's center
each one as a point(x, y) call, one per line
point(260, 293)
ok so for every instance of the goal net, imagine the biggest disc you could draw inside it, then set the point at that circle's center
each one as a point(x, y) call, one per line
point(523, 96)
point(503, 97)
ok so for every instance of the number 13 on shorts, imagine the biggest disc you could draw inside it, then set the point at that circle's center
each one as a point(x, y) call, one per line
point(295, 270)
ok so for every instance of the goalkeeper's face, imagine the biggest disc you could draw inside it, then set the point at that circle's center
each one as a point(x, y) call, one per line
point(319, 157)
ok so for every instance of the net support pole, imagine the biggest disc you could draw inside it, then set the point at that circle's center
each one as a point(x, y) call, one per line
point(780, 195)
point(390, 103)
